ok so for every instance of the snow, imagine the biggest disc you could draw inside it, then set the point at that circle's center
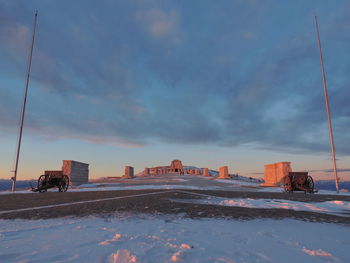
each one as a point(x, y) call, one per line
point(144, 238)
point(94, 188)
point(190, 182)
point(237, 182)
point(335, 207)
point(143, 187)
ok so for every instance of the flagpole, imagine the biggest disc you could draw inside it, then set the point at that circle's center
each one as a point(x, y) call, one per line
point(336, 178)
point(14, 178)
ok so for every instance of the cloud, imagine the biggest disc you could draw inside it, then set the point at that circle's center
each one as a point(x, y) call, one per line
point(160, 23)
point(131, 73)
point(339, 170)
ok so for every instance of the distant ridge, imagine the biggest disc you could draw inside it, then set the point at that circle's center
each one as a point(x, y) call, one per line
point(330, 185)
point(5, 184)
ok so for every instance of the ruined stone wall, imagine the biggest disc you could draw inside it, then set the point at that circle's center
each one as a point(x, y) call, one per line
point(77, 172)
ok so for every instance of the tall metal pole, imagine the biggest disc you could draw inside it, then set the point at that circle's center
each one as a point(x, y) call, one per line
point(14, 178)
point(336, 178)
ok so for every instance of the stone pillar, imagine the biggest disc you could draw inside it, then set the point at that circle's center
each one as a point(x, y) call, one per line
point(197, 171)
point(77, 172)
point(205, 172)
point(146, 172)
point(275, 172)
point(223, 173)
point(129, 172)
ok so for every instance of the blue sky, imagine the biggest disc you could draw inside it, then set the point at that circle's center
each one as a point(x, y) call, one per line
point(140, 83)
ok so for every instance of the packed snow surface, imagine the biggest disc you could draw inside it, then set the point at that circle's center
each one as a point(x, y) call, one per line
point(334, 207)
point(171, 239)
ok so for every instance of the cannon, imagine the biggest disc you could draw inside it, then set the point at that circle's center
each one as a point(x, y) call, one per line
point(51, 179)
point(298, 181)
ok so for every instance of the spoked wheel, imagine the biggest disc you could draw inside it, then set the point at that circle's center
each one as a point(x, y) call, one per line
point(64, 184)
point(42, 182)
point(310, 184)
point(287, 184)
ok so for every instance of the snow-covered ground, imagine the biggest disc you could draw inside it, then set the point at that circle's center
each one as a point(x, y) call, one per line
point(231, 185)
point(104, 187)
point(190, 182)
point(334, 207)
point(171, 239)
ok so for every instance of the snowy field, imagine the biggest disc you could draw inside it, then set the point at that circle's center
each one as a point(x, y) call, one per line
point(334, 207)
point(225, 185)
point(130, 237)
point(171, 239)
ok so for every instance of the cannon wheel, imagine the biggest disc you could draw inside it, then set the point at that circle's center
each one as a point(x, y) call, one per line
point(64, 184)
point(287, 184)
point(310, 184)
point(42, 184)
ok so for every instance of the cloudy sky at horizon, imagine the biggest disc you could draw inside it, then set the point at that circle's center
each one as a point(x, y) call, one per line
point(140, 83)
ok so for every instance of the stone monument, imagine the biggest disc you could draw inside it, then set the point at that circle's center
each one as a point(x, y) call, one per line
point(176, 166)
point(223, 172)
point(205, 172)
point(275, 172)
point(77, 172)
point(146, 172)
point(129, 172)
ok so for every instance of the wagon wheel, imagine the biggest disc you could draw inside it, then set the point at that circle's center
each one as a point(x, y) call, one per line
point(310, 184)
point(64, 184)
point(42, 184)
point(287, 184)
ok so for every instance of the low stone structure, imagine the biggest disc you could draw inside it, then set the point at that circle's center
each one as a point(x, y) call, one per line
point(77, 172)
point(129, 172)
point(175, 167)
point(206, 172)
point(275, 172)
point(223, 172)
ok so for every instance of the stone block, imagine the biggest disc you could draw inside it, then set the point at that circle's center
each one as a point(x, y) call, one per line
point(206, 172)
point(223, 172)
point(275, 172)
point(77, 172)
point(129, 172)
point(147, 172)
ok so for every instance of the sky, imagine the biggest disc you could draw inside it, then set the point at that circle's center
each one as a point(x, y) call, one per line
point(141, 83)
